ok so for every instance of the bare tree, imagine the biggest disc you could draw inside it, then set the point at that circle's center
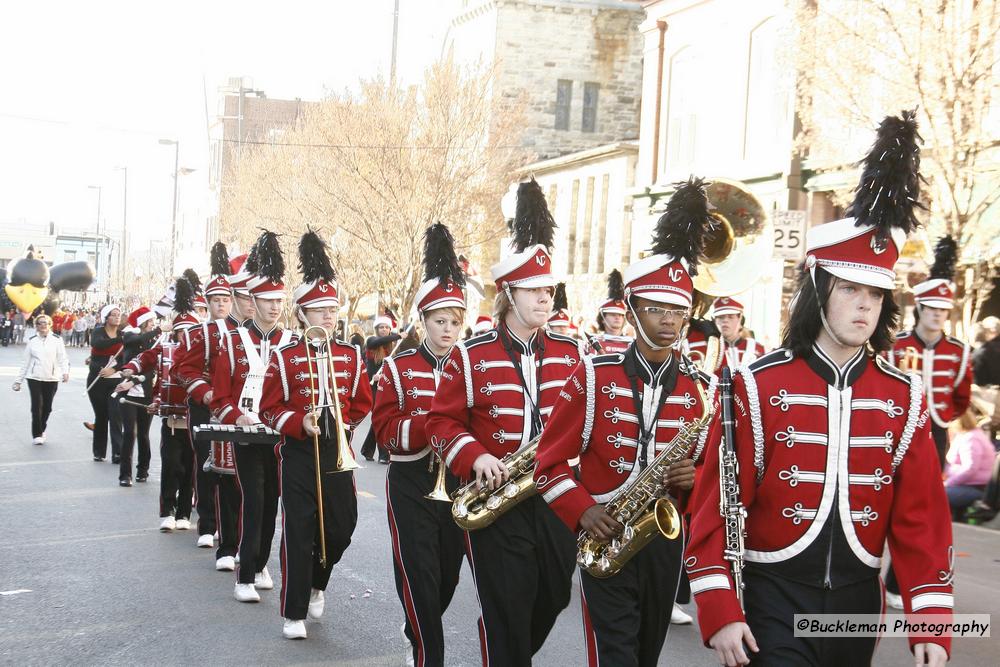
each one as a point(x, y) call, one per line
point(858, 61)
point(371, 169)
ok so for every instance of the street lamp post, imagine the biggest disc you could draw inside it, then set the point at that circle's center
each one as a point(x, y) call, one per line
point(173, 216)
point(123, 247)
point(97, 234)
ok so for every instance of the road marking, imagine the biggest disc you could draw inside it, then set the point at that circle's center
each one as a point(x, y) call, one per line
point(42, 462)
point(17, 592)
point(81, 538)
point(365, 494)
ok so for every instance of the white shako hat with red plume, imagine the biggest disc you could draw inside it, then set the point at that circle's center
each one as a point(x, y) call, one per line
point(864, 247)
point(615, 305)
point(938, 291)
point(268, 281)
point(443, 275)
point(219, 283)
point(532, 229)
point(678, 240)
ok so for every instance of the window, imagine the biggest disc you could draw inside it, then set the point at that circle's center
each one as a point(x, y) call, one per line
point(69, 255)
point(682, 113)
point(588, 218)
point(92, 257)
point(564, 99)
point(573, 208)
point(589, 121)
point(766, 122)
point(602, 223)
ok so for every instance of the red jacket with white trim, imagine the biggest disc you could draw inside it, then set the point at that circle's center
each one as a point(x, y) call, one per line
point(481, 405)
point(596, 420)
point(833, 463)
point(159, 359)
point(287, 394)
point(232, 366)
point(744, 352)
point(406, 388)
point(194, 362)
point(608, 344)
point(945, 368)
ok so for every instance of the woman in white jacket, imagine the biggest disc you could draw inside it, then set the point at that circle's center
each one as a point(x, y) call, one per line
point(45, 363)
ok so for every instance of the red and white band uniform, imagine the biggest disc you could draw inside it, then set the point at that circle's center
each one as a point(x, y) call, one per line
point(427, 545)
point(833, 462)
point(735, 350)
point(288, 399)
point(946, 370)
point(605, 342)
point(170, 400)
point(617, 413)
point(217, 497)
point(496, 393)
point(237, 383)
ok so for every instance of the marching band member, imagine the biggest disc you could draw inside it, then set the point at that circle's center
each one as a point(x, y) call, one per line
point(496, 393)
point(176, 457)
point(237, 382)
point(942, 361)
point(140, 336)
point(834, 452)
point(427, 546)
point(292, 389)
point(728, 315)
point(217, 496)
point(617, 413)
point(611, 320)
point(560, 322)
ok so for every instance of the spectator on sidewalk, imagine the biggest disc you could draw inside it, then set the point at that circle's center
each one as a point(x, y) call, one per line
point(970, 464)
point(79, 329)
point(18, 327)
point(45, 364)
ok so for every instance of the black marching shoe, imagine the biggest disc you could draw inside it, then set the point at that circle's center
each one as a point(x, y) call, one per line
point(116, 460)
point(125, 482)
point(142, 478)
point(98, 458)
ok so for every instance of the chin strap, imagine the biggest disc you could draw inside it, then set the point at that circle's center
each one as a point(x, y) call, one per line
point(640, 330)
point(513, 306)
point(822, 315)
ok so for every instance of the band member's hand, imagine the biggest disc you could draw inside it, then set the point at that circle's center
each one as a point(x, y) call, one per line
point(680, 476)
point(729, 641)
point(16, 386)
point(127, 372)
point(208, 397)
point(153, 407)
point(86, 362)
point(107, 372)
point(490, 472)
point(166, 327)
point(600, 524)
point(65, 377)
point(244, 420)
point(929, 654)
point(311, 424)
point(124, 385)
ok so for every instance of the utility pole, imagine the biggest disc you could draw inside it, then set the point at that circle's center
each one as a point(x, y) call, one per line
point(173, 216)
point(395, 39)
point(97, 234)
point(123, 247)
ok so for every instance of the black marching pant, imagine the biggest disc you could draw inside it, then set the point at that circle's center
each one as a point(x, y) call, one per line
point(427, 550)
point(204, 481)
point(771, 605)
point(176, 461)
point(940, 436)
point(41, 393)
point(626, 616)
point(301, 570)
point(227, 514)
point(107, 416)
point(135, 427)
point(522, 565)
point(257, 476)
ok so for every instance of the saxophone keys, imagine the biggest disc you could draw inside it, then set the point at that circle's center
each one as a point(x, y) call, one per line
point(460, 510)
point(510, 491)
point(493, 502)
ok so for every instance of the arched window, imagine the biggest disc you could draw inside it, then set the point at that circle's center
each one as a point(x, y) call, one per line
point(681, 140)
point(766, 127)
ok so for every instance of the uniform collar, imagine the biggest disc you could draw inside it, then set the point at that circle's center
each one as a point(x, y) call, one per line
point(839, 378)
point(252, 327)
point(637, 365)
point(925, 344)
point(528, 347)
point(232, 321)
point(437, 363)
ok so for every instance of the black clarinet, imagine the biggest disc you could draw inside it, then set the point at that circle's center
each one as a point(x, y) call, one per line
point(733, 513)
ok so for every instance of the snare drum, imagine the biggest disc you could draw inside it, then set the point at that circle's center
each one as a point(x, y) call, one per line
point(220, 458)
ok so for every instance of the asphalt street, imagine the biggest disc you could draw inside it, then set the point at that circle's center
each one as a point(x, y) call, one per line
point(86, 578)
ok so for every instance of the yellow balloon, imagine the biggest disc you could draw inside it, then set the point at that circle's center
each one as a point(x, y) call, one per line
point(26, 297)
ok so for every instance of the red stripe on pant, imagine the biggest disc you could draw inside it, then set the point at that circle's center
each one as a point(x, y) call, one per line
point(411, 612)
point(588, 631)
point(483, 648)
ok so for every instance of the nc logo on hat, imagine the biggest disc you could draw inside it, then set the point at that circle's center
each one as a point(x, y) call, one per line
point(450, 287)
point(877, 248)
point(942, 290)
point(322, 287)
point(724, 300)
point(675, 274)
point(540, 259)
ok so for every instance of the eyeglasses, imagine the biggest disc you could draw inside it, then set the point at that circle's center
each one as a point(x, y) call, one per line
point(661, 313)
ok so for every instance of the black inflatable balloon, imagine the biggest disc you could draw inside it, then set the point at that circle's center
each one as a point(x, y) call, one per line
point(29, 271)
point(72, 276)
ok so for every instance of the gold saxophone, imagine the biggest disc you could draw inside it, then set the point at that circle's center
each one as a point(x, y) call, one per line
point(476, 507)
point(641, 507)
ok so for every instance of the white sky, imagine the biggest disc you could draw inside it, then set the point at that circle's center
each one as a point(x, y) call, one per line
point(89, 86)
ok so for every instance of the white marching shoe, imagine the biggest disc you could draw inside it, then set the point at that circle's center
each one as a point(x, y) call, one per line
point(316, 604)
point(262, 580)
point(225, 564)
point(894, 600)
point(206, 541)
point(168, 524)
point(294, 629)
point(679, 617)
point(38, 440)
point(183, 524)
point(246, 593)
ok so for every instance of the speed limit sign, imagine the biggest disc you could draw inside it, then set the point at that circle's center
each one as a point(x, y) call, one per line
point(790, 234)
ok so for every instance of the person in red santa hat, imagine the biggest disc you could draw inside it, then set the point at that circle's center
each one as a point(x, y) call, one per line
point(831, 453)
point(617, 413)
point(611, 320)
point(140, 335)
point(483, 324)
point(737, 350)
point(427, 545)
point(496, 393)
point(308, 407)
